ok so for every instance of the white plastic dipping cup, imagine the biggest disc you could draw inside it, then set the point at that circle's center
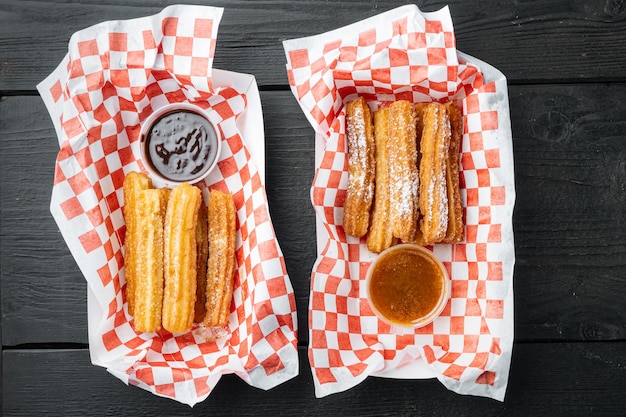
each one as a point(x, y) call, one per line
point(179, 144)
point(407, 286)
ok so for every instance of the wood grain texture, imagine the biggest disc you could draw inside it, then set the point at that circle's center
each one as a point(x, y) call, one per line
point(569, 222)
point(577, 379)
point(530, 41)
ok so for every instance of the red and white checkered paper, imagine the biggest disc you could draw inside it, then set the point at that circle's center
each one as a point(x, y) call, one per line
point(114, 76)
point(407, 54)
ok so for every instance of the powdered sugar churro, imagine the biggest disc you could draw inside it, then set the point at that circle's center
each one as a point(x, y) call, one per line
point(380, 235)
point(455, 209)
point(221, 263)
point(180, 258)
point(433, 201)
point(361, 168)
point(403, 170)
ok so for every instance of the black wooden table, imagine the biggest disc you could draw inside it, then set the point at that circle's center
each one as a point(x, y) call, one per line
point(565, 62)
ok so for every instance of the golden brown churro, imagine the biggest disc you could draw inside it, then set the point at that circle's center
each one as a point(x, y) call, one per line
point(221, 264)
point(361, 168)
point(134, 182)
point(179, 295)
point(380, 235)
point(403, 170)
point(148, 292)
point(433, 201)
point(202, 246)
point(455, 209)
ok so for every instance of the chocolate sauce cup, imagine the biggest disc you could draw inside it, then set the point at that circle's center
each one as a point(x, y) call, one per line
point(178, 144)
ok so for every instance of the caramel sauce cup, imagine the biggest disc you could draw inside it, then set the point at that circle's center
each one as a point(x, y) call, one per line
point(438, 306)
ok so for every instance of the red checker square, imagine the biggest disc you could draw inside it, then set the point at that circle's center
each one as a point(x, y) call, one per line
point(320, 90)
point(318, 195)
point(153, 90)
point(228, 167)
point(486, 378)
point(362, 355)
point(326, 265)
point(145, 375)
point(318, 339)
point(120, 319)
point(118, 41)
point(492, 158)
point(181, 374)
point(467, 161)
point(318, 114)
point(276, 287)
point(489, 120)
point(495, 233)
point(324, 375)
point(120, 78)
point(471, 230)
point(183, 46)
point(117, 177)
point(332, 283)
point(433, 26)
point(484, 215)
point(79, 183)
point(459, 288)
point(88, 48)
point(454, 372)
point(498, 195)
point(299, 58)
point(331, 46)
point(472, 271)
point(343, 341)
point(400, 26)
point(135, 59)
point(472, 104)
point(484, 177)
point(112, 202)
point(437, 56)
point(72, 127)
point(403, 341)
point(104, 273)
point(476, 141)
point(442, 341)
point(457, 325)
point(112, 308)
point(460, 254)
point(449, 357)
point(341, 304)
point(101, 113)
point(494, 271)
point(448, 40)
point(203, 28)
point(331, 321)
point(56, 91)
point(334, 179)
point(169, 26)
point(398, 57)
point(135, 342)
point(148, 39)
point(382, 75)
point(495, 309)
point(438, 86)
point(111, 340)
point(109, 253)
point(261, 215)
point(317, 301)
point(354, 324)
point(76, 69)
point(470, 343)
point(495, 346)
point(166, 390)
point(389, 354)
point(416, 40)
point(481, 251)
point(224, 110)
point(95, 216)
point(94, 81)
point(429, 354)
point(481, 289)
point(488, 88)
point(272, 364)
point(71, 208)
point(367, 37)
point(480, 360)
point(347, 53)
point(418, 73)
point(109, 90)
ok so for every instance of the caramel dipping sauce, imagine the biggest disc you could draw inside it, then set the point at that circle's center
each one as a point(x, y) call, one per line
point(407, 286)
point(179, 144)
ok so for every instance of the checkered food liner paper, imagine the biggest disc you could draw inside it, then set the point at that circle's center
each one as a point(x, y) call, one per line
point(114, 75)
point(408, 54)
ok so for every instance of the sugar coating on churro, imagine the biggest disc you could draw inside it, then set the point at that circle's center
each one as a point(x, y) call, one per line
point(361, 168)
point(179, 295)
point(403, 170)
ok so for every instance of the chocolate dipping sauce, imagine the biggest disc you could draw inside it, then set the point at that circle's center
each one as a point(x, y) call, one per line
point(181, 145)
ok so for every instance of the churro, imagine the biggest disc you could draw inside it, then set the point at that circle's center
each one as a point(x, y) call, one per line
point(134, 182)
point(179, 294)
point(380, 235)
point(403, 170)
point(221, 264)
point(148, 288)
point(202, 253)
point(455, 209)
point(433, 200)
point(361, 168)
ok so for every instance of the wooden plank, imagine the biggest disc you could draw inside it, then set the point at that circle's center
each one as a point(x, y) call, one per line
point(529, 41)
point(574, 379)
point(569, 226)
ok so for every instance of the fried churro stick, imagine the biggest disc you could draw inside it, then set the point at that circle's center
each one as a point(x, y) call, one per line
point(202, 245)
point(380, 235)
point(455, 209)
point(361, 168)
point(221, 265)
point(134, 182)
point(148, 295)
point(179, 294)
point(403, 170)
point(433, 201)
